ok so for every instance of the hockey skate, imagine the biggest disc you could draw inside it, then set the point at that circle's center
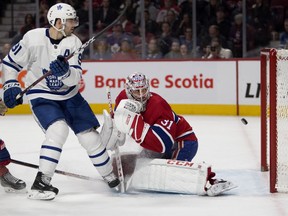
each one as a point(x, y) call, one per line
point(42, 189)
point(12, 184)
point(216, 187)
point(111, 180)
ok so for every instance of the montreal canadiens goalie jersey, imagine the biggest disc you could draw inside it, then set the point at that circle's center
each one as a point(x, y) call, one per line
point(34, 53)
point(166, 127)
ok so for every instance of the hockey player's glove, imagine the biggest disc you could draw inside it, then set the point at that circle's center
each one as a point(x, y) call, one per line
point(60, 67)
point(128, 120)
point(11, 90)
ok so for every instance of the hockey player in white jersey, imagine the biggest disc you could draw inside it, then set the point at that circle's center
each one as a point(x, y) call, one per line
point(55, 102)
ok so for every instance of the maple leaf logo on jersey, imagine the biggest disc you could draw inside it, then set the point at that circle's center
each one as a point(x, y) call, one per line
point(52, 81)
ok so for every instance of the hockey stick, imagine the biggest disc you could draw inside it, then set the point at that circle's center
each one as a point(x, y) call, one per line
point(117, 152)
point(79, 50)
point(56, 171)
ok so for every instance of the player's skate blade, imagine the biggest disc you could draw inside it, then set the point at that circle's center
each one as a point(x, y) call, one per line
point(219, 187)
point(41, 195)
point(12, 190)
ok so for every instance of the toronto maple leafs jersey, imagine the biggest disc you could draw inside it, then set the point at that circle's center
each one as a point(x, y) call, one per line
point(35, 52)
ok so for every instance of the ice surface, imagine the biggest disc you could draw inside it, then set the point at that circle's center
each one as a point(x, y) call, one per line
point(231, 147)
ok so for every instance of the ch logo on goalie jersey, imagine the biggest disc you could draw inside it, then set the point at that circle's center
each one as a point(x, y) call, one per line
point(52, 82)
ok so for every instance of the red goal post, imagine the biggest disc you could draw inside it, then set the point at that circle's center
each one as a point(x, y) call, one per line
point(274, 117)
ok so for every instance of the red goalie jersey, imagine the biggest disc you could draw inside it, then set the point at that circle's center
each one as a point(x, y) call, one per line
point(166, 128)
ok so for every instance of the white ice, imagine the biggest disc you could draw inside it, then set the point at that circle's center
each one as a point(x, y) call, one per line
point(231, 147)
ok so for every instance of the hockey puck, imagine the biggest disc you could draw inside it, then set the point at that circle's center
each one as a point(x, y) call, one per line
point(244, 121)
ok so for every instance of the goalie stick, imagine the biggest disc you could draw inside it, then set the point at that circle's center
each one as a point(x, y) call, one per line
point(56, 171)
point(117, 152)
point(79, 50)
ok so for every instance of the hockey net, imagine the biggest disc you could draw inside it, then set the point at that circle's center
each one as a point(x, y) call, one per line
point(274, 117)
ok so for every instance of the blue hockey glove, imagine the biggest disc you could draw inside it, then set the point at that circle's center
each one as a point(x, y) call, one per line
point(60, 67)
point(11, 90)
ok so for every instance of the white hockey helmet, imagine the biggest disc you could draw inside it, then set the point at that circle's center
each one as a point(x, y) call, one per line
point(61, 11)
point(137, 87)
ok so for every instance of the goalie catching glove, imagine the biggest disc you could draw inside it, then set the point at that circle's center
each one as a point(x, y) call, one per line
point(110, 135)
point(128, 120)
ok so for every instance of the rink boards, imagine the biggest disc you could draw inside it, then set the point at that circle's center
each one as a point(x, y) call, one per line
point(228, 87)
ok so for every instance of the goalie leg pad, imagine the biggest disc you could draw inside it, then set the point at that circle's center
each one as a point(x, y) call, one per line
point(106, 130)
point(116, 138)
point(109, 134)
point(171, 176)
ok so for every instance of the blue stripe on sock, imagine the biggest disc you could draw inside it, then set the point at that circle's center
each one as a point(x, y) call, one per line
point(97, 155)
point(102, 164)
point(49, 159)
point(52, 148)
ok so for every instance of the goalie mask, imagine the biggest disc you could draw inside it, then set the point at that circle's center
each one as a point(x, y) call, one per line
point(63, 12)
point(137, 88)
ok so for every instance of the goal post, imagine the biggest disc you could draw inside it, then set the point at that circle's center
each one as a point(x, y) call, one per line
point(274, 117)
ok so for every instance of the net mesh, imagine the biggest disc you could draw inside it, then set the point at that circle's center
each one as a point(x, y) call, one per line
point(282, 120)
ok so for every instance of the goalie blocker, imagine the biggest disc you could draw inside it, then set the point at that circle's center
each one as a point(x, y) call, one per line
point(174, 176)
